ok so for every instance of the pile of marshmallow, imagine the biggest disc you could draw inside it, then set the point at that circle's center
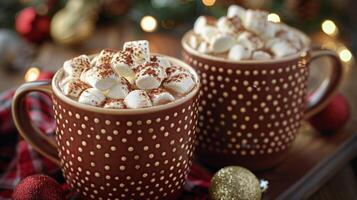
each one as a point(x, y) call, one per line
point(245, 35)
point(130, 78)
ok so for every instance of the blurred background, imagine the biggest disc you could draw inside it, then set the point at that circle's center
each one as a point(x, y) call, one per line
point(39, 35)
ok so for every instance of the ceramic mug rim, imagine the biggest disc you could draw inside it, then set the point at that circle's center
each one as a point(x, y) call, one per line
point(302, 53)
point(59, 94)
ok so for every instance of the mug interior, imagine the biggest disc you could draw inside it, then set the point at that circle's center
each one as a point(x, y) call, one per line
point(57, 91)
point(301, 53)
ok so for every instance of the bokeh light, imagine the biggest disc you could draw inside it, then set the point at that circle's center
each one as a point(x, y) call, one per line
point(32, 74)
point(148, 23)
point(329, 27)
point(345, 54)
point(273, 17)
point(208, 2)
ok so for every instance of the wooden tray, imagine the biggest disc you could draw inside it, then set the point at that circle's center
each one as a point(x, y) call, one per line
point(314, 158)
point(312, 161)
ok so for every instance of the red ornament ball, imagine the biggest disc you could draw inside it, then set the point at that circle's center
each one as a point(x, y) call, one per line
point(31, 25)
point(38, 187)
point(45, 75)
point(333, 117)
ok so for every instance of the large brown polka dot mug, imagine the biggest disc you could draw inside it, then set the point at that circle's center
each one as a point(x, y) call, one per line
point(116, 154)
point(251, 110)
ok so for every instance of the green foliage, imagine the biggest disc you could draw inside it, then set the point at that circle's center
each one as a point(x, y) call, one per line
point(306, 15)
point(164, 10)
point(8, 10)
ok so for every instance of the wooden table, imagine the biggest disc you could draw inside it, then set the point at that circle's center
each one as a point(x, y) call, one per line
point(313, 159)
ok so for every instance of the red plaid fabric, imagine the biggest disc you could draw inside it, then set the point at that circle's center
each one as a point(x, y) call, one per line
point(19, 160)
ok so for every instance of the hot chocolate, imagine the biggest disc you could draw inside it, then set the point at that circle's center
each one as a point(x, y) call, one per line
point(130, 78)
point(245, 35)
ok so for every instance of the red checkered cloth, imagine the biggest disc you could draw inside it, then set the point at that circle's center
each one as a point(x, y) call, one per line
point(19, 160)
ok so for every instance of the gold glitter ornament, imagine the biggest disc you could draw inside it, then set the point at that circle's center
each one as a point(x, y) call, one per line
point(75, 23)
point(235, 183)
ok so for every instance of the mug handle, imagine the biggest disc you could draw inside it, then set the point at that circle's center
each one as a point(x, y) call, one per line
point(319, 98)
point(39, 141)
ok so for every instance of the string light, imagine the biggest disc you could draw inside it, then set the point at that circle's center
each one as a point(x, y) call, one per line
point(208, 2)
point(345, 54)
point(148, 23)
point(32, 74)
point(329, 27)
point(273, 17)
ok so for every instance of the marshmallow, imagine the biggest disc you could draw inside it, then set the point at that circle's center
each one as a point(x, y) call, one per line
point(249, 28)
point(93, 61)
point(83, 76)
point(239, 52)
point(119, 90)
point(104, 57)
point(101, 77)
point(261, 55)
point(193, 41)
point(250, 41)
point(229, 25)
point(283, 48)
point(114, 104)
point(255, 21)
point(235, 10)
point(202, 22)
point(271, 30)
point(208, 33)
point(150, 76)
point(122, 63)
point(75, 66)
point(162, 61)
point(65, 80)
point(199, 24)
point(222, 43)
point(174, 70)
point(271, 42)
point(139, 50)
point(137, 99)
point(74, 87)
point(180, 83)
point(204, 48)
point(292, 36)
point(92, 96)
point(160, 96)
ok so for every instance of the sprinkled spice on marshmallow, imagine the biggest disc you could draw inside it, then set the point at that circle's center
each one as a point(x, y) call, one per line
point(126, 79)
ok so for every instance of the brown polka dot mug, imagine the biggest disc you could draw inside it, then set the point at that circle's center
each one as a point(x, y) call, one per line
point(252, 110)
point(116, 154)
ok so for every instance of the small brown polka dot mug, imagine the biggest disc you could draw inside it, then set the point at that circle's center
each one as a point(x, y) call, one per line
point(116, 154)
point(252, 110)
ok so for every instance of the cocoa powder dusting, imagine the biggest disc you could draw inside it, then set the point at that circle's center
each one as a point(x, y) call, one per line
point(153, 58)
point(153, 92)
point(150, 71)
point(80, 85)
point(106, 56)
point(173, 69)
point(81, 63)
point(145, 66)
point(177, 77)
point(105, 70)
point(127, 58)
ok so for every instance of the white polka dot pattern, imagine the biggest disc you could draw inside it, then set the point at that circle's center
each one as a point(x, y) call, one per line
point(145, 156)
point(249, 110)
